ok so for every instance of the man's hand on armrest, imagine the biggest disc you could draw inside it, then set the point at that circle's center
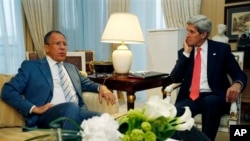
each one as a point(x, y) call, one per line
point(105, 93)
point(233, 92)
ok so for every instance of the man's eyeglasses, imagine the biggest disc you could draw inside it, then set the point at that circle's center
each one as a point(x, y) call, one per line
point(58, 43)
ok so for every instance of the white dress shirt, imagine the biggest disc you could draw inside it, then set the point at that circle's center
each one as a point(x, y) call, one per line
point(58, 94)
point(204, 87)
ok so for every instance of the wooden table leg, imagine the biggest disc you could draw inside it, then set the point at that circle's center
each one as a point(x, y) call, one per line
point(130, 100)
point(164, 93)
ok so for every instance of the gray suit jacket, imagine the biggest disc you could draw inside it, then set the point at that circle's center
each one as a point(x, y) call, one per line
point(33, 85)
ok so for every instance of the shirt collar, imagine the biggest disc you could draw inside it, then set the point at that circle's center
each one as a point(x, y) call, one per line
point(204, 46)
point(51, 61)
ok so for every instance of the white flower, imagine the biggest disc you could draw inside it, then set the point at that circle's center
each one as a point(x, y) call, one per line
point(103, 128)
point(156, 107)
point(186, 116)
point(185, 122)
point(185, 125)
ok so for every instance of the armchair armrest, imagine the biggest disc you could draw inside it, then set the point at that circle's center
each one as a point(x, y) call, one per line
point(172, 87)
point(92, 102)
point(169, 89)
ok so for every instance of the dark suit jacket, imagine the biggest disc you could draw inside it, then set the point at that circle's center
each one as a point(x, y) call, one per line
point(220, 62)
point(33, 85)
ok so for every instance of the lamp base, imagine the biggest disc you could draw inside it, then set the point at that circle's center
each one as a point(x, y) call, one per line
point(122, 59)
point(121, 74)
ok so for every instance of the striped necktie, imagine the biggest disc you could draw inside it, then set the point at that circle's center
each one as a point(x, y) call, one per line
point(65, 83)
point(195, 86)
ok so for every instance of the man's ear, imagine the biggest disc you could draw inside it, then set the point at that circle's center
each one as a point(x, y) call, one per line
point(204, 35)
point(46, 48)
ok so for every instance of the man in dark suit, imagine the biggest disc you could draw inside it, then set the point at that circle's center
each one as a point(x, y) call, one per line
point(37, 93)
point(214, 92)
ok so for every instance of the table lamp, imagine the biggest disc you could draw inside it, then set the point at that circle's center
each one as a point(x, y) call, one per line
point(123, 28)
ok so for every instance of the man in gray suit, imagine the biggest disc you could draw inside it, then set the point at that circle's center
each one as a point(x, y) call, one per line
point(37, 93)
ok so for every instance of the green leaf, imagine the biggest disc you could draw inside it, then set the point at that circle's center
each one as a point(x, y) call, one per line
point(162, 128)
point(162, 136)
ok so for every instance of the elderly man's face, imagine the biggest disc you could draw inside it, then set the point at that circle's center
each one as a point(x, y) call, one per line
point(57, 47)
point(193, 37)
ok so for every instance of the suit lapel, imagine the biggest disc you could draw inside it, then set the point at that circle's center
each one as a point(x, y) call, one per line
point(45, 70)
point(73, 76)
point(211, 58)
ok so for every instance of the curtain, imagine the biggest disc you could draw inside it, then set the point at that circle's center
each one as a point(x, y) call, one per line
point(69, 19)
point(118, 6)
point(82, 22)
point(29, 47)
point(177, 12)
point(149, 19)
point(94, 27)
point(39, 15)
point(11, 36)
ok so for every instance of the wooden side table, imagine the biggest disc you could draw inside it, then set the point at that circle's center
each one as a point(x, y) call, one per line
point(132, 85)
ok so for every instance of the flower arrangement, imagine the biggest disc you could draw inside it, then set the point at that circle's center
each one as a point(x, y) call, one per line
point(157, 121)
point(103, 128)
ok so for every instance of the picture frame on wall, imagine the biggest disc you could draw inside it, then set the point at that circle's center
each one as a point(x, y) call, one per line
point(235, 18)
point(232, 1)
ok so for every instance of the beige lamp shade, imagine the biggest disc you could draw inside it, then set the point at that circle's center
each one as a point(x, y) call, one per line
point(122, 28)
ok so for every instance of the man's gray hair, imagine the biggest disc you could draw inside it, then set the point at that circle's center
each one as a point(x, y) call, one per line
point(202, 23)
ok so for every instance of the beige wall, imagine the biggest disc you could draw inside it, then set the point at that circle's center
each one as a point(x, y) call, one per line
point(214, 9)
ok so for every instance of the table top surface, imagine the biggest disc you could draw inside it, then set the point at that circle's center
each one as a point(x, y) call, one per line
point(125, 78)
point(123, 82)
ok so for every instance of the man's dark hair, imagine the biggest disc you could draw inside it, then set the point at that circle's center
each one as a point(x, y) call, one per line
point(47, 36)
